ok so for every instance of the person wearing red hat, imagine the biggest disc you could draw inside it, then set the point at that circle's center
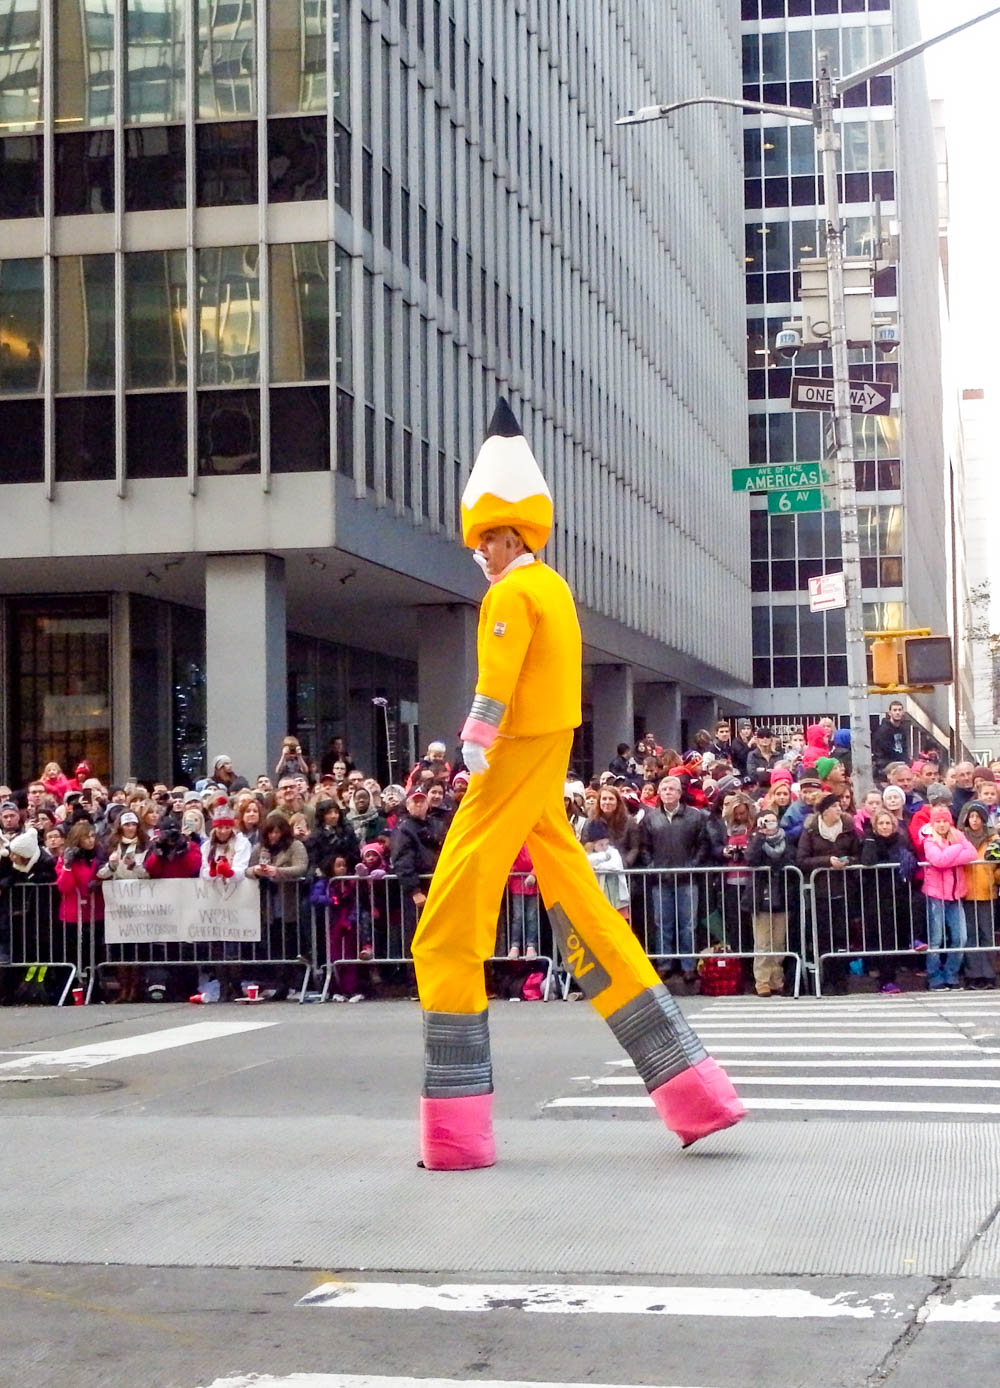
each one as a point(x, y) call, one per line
point(226, 852)
point(516, 744)
point(945, 852)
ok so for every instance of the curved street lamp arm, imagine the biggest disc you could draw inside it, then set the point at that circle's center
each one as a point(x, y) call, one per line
point(657, 112)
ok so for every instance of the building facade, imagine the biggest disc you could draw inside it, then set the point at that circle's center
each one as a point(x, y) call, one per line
point(264, 269)
point(889, 191)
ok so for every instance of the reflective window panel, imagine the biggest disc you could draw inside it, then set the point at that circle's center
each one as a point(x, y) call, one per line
point(155, 319)
point(154, 76)
point(84, 62)
point(226, 164)
point(85, 175)
point(227, 81)
point(297, 56)
point(85, 438)
point(156, 434)
point(85, 322)
point(296, 159)
point(21, 176)
point(22, 428)
point(21, 327)
point(20, 65)
point(300, 429)
point(228, 431)
point(154, 168)
point(300, 312)
point(228, 316)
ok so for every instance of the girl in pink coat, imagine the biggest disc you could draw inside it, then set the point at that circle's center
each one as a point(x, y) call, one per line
point(945, 852)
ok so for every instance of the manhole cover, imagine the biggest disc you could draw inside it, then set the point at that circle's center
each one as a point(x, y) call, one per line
point(54, 1086)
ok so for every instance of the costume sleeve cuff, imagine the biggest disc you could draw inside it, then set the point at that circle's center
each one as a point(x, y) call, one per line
point(475, 730)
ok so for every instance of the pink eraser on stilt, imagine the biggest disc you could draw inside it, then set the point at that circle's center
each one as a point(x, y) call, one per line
point(698, 1101)
point(457, 1134)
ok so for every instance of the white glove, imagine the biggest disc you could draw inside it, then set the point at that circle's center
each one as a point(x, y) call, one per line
point(474, 757)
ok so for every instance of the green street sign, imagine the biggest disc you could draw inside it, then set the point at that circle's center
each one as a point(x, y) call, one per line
point(780, 477)
point(790, 503)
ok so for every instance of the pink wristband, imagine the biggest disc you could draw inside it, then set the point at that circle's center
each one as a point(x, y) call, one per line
point(475, 730)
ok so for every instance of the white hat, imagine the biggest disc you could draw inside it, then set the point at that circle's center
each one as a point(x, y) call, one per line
point(506, 486)
point(25, 845)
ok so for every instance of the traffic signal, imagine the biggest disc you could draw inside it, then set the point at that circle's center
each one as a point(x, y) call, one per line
point(885, 662)
point(927, 660)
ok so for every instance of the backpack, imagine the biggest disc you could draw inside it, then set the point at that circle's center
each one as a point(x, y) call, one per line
point(531, 988)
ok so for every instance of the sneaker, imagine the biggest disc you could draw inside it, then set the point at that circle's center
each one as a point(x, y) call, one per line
point(531, 952)
point(764, 990)
point(338, 997)
point(920, 946)
point(366, 952)
point(514, 952)
point(356, 997)
point(890, 988)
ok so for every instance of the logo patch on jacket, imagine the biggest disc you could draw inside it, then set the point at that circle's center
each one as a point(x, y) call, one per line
point(499, 628)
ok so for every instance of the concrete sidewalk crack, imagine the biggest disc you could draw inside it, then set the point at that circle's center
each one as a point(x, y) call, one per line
point(908, 1336)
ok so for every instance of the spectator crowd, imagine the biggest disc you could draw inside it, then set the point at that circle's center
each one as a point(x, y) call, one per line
point(704, 852)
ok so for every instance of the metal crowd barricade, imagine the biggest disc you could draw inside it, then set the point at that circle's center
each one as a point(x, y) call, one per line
point(283, 958)
point(367, 929)
point(33, 940)
point(869, 913)
point(679, 914)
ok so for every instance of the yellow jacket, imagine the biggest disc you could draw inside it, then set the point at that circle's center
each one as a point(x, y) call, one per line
point(981, 876)
point(530, 652)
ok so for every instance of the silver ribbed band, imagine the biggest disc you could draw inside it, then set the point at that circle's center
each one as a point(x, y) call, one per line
point(652, 1029)
point(457, 1055)
point(486, 710)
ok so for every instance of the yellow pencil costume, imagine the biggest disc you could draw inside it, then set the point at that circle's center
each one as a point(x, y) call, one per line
point(526, 705)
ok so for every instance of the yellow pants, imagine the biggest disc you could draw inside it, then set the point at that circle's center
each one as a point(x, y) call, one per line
point(520, 799)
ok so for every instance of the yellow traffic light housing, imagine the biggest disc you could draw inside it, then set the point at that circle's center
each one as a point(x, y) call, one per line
point(928, 660)
point(909, 662)
point(885, 663)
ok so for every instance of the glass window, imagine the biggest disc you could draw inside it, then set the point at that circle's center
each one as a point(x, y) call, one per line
point(155, 55)
point(228, 431)
point(22, 428)
point(752, 167)
point(156, 434)
point(775, 147)
point(854, 146)
point(61, 701)
point(227, 73)
point(297, 55)
point(228, 308)
point(341, 45)
point(800, 58)
point(155, 319)
point(154, 168)
point(85, 438)
point(880, 145)
point(85, 319)
point(20, 175)
point(300, 429)
point(84, 60)
point(784, 630)
point(812, 632)
point(810, 534)
point(21, 327)
point(226, 164)
point(296, 159)
point(85, 173)
point(345, 371)
point(782, 536)
point(780, 438)
point(760, 619)
point(801, 149)
point(772, 57)
point(20, 66)
point(300, 312)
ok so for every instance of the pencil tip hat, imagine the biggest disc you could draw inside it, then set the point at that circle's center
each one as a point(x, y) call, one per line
point(506, 486)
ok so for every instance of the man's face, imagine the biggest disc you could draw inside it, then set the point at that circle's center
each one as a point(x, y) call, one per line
point(723, 732)
point(810, 793)
point(796, 742)
point(905, 779)
point(264, 783)
point(287, 792)
point(963, 775)
point(836, 777)
point(670, 792)
point(746, 731)
point(435, 796)
point(302, 784)
point(827, 725)
point(417, 806)
point(36, 793)
point(9, 819)
point(355, 779)
point(498, 547)
point(928, 772)
point(896, 712)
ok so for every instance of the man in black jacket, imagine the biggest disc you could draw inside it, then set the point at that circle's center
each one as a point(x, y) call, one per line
point(414, 850)
point(674, 836)
point(889, 738)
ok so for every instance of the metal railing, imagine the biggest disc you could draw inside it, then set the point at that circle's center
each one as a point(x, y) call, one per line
point(32, 937)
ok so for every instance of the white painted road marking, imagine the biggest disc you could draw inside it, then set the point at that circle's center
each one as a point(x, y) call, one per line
point(789, 1303)
point(252, 1380)
point(829, 1081)
point(103, 1052)
point(973, 1308)
point(803, 1105)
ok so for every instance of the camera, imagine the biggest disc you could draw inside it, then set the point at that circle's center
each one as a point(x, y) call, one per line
point(788, 341)
point(887, 337)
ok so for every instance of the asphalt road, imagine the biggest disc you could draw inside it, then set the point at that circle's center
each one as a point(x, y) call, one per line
point(228, 1195)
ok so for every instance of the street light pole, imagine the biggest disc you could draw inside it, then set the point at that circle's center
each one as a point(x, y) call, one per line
point(828, 143)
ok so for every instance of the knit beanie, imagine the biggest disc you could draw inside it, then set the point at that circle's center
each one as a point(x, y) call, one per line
point(782, 773)
point(939, 813)
point(824, 765)
point(593, 830)
point(938, 793)
point(826, 802)
point(25, 845)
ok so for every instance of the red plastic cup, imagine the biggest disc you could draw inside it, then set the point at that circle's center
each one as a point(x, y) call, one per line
point(77, 997)
point(253, 992)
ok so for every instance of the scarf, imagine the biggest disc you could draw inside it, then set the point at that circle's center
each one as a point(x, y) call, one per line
point(774, 846)
point(830, 832)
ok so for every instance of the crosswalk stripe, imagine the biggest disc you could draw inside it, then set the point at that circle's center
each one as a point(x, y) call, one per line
point(593, 1101)
point(965, 1047)
point(828, 1081)
point(789, 1303)
point(102, 1052)
point(305, 1380)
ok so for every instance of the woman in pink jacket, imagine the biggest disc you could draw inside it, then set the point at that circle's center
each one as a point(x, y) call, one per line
point(945, 851)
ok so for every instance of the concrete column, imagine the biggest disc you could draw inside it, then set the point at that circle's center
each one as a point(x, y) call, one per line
point(611, 700)
point(660, 713)
point(447, 665)
point(700, 711)
point(246, 664)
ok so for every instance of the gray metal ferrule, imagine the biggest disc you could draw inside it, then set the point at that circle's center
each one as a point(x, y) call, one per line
point(486, 710)
point(457, 1055)
point(653, 1031)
